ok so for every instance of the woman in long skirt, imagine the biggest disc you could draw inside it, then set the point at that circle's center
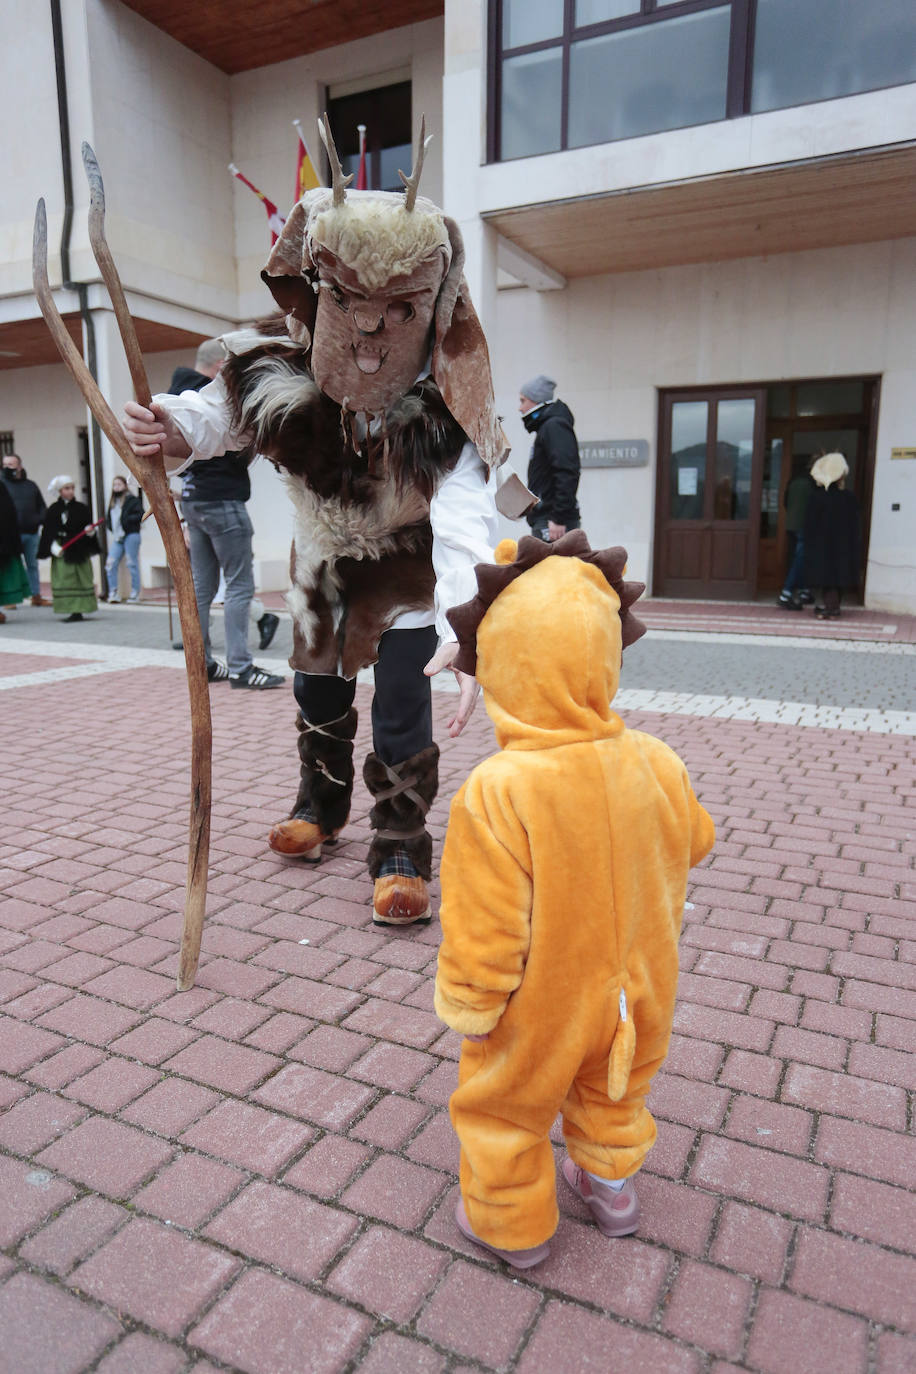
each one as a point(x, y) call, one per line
point(14, 584)
point(72, 583)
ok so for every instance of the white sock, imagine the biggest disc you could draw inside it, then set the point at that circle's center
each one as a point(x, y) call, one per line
point(615, 1184)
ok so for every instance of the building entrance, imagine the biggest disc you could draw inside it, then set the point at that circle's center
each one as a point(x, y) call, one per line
point(726, 456)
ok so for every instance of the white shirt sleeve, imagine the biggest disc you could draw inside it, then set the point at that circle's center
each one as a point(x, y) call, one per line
point(465, 532)
point(204, 419)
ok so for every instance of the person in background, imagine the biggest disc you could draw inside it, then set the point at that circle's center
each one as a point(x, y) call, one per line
point(72, 585)
point(14, 584)
point(30, 509)
point(213, 497)
point(794, 596)
point(123, 517)
point(832, 535)
point(553, 468)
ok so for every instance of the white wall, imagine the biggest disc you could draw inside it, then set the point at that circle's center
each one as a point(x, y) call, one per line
point(613, 341)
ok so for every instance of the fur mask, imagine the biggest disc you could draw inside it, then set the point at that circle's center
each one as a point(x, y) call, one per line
point(372, 282)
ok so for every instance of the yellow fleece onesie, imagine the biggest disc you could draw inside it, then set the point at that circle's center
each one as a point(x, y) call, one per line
point(564, 877)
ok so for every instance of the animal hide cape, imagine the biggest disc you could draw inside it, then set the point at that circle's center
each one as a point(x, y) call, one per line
point(362, 550)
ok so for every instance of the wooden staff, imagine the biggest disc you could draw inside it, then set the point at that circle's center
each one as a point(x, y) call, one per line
point(150, 474)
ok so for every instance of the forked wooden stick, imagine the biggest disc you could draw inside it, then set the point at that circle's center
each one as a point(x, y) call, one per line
point(150, 474)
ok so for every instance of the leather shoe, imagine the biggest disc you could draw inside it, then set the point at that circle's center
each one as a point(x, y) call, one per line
point(40, 601)
point(400, 901)
point(299, 838)
point(267, 628)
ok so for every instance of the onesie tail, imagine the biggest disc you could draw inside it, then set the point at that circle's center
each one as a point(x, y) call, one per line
point(623, 1048)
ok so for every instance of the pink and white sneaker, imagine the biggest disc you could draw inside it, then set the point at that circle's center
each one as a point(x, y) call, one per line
point(615, 1213)
point(519, 1259)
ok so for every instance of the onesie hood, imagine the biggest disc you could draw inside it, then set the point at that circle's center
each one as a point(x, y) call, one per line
point(544, 636)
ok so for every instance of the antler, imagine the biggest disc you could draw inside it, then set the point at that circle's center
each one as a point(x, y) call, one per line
point(151, 475)
point(338, 181)
point(412, 183)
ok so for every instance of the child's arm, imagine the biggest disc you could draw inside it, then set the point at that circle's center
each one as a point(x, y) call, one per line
point(485, 915)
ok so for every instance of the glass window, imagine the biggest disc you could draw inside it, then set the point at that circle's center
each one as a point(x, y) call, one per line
point(660, 76)
point(531, 21)
point(734, 459)
point(808, 50)
point(779, 401)
point(600, 11)
point(386, 113)
point(689, 421)
point(532, 86)
point(830, 398)
point(769, 493)
point(393, 159)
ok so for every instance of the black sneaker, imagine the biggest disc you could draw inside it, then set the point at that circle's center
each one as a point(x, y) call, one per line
point(216, 671)
point(806, 597)
point(267, 628)
point(788, 603)
point(256, 678)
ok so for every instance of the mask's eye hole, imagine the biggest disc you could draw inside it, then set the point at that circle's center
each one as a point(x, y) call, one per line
point(399, 312)
point(340, 298)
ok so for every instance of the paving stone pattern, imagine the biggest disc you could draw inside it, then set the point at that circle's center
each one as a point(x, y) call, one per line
point(260, 1174)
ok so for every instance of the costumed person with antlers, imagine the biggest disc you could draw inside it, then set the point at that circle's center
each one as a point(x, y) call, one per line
point(68, 539)
point(377, 407)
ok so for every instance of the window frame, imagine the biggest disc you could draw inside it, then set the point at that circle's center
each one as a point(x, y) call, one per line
point(743, 15)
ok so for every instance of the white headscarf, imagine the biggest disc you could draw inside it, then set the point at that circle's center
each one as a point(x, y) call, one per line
point(56, 483)
point(829, 468)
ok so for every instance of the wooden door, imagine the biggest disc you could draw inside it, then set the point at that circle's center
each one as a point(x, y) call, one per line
point(708, 494)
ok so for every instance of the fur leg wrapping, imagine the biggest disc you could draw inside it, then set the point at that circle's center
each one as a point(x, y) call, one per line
point(326, 773)
point(402, 795)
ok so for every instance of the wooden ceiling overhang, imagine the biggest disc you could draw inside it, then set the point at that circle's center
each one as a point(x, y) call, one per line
point(238, 35)
point(28, 343)
point(827, 202)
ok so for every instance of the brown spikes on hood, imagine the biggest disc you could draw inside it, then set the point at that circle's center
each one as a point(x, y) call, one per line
point(512, 561)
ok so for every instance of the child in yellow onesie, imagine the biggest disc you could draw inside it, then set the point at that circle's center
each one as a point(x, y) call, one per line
point(563, 883)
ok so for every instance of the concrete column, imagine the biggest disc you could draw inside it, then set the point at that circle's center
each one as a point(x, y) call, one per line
point(464, 137)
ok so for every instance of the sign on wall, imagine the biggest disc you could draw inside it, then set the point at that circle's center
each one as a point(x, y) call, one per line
point(903, 452)
point(614, 453)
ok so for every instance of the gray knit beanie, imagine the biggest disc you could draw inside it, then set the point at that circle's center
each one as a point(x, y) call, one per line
point(539, 389)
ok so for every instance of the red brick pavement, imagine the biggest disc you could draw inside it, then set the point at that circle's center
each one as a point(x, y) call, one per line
point(259, 1174)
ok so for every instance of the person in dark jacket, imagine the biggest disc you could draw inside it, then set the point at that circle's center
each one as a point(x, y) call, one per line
point(213, 497)
point(14, 585)
point(553, 468)
point(832, 535)
point(30, 510)
point(123, 518)
point(794, 595)
point(72, 585)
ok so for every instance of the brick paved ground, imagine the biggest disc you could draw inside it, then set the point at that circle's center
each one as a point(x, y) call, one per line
point(259, 1174)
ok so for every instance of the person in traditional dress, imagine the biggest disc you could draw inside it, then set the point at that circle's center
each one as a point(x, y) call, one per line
point(72, 582)
point(14, 582)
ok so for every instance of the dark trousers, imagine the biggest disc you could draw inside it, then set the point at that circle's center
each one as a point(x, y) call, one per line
point(402, 711)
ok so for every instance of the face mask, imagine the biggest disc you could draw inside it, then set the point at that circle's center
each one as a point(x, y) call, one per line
point(369, 347)
point(15, 473)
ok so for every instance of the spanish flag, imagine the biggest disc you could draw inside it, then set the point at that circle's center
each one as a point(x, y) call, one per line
point(306, 176)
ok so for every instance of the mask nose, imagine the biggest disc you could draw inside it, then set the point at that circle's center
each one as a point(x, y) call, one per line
point(369, 319)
